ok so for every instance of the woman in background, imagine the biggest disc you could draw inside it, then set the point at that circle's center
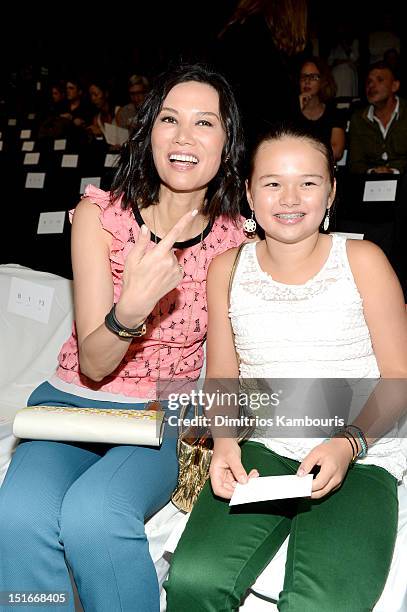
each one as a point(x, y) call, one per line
point(138, 88)
point(259, 50)
point(318, 114)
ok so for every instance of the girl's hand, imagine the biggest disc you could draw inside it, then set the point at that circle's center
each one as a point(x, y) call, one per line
point(333, 458)
point(226, 468)
point(150, 274)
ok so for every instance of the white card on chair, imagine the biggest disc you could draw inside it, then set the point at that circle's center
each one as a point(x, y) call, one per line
point(380, 191)
point(60, 144)
point(25, 134)
point(111, 160)
point(28, 145)
point(30, 300)
point(31, 159)
point(69, 161)
point(91, 180)
point(35, 180)
point(51, 222)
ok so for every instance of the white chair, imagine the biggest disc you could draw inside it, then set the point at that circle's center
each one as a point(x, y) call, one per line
point(28, 355)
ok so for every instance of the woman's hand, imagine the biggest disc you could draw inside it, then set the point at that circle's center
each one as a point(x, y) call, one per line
point(226, 468)
point(94, 129)
point(333, 457)
point(150, 274)
point(304, 98)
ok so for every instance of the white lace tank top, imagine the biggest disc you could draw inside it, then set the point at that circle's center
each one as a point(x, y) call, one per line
point(316, 330)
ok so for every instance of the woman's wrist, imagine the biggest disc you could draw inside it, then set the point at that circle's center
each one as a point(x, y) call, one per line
point(114, 325)
point(128, 315)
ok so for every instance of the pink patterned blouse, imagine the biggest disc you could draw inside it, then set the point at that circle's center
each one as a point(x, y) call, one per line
point(178, 341)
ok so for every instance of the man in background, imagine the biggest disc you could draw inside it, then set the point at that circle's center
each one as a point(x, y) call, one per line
point(378, 133)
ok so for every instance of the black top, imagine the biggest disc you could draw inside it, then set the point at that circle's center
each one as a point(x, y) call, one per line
point(177, 245)
point(322, 127)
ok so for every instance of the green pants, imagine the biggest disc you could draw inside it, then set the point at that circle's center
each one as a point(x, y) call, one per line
point(339, 554)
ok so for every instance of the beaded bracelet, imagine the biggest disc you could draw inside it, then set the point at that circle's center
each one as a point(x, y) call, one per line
point(362, 439)
point(345, 431)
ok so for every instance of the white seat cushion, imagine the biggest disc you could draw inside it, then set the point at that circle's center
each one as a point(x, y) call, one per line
point(28, 356)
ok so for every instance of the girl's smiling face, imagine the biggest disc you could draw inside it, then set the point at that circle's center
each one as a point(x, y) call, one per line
point(290, 188)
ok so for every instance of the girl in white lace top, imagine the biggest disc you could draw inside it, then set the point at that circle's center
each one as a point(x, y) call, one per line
point(309, 305)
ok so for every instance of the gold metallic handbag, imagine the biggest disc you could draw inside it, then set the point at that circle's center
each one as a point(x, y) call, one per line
point(195, 453)
point(194, 457)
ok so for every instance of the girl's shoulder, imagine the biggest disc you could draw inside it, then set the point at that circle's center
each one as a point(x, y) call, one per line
point(365, 255)
point(223, 260)
point(370, 267)
point(222, 264)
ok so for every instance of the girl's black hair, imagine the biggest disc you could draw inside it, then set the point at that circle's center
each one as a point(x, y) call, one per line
point(287, 129)
point(137, 179)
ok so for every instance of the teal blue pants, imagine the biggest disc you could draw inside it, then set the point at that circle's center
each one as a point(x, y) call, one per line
point(339, 554)
point(84, 506)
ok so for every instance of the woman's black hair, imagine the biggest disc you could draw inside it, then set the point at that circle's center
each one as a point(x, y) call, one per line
point(137, 179)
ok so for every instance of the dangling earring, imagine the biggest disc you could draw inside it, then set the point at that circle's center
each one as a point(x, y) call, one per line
point(326, 221)
point(249, 226)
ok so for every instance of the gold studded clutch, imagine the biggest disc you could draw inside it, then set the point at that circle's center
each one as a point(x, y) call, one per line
point(106, 425)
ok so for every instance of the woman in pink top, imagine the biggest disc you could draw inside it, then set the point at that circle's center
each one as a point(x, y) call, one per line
point(140, 255)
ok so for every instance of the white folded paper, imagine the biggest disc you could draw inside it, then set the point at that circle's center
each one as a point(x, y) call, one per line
point(114, 134)
point(109, 425)
point(265, 488)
